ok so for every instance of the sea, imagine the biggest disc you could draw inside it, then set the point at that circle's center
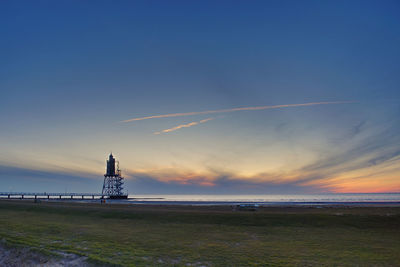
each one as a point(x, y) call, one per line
point(286, 199)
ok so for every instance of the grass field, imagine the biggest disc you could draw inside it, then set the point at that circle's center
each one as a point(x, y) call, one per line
point(141, 235)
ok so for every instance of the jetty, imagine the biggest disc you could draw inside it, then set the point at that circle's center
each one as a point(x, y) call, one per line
point(44, 195)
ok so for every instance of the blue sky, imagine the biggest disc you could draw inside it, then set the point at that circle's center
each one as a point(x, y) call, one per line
point(71, 71)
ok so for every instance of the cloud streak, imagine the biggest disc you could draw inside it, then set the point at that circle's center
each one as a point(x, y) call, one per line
point(234, 110)
point(184, 126)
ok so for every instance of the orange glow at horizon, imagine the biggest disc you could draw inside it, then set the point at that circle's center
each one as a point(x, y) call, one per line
point(352, 182)
point(255, 170)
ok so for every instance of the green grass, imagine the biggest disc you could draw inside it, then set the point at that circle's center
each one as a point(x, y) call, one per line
point(140, 235)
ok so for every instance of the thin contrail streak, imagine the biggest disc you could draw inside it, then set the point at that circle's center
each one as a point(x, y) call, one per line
point(234, 110)
point(183, 126)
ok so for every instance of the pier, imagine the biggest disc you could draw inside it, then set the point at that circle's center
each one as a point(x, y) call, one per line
point(30, 195)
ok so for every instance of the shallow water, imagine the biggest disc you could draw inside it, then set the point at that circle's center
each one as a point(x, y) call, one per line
point(265, 199)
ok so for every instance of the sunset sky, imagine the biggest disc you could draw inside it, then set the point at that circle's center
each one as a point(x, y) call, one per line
point(201, 97)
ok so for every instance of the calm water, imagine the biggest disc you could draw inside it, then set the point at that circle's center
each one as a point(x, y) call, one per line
point(265, 199)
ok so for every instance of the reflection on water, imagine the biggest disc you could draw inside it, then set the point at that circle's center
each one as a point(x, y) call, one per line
point(376, 197)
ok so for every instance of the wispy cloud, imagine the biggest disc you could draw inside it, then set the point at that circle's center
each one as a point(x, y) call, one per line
point(183, 126)
point(367, 160)
point(234, 110)
point(172, 181)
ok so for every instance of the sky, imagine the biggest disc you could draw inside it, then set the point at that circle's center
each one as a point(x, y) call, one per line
point(201, 97)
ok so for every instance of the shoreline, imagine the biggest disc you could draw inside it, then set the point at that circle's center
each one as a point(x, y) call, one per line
point(319, 204)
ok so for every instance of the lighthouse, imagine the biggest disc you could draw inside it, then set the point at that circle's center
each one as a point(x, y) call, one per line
point(113, 181)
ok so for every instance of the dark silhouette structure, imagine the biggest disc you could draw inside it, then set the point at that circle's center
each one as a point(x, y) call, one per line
point(113, 181)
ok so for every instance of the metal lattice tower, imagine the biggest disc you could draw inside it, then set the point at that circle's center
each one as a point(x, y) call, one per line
point(113, 181)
